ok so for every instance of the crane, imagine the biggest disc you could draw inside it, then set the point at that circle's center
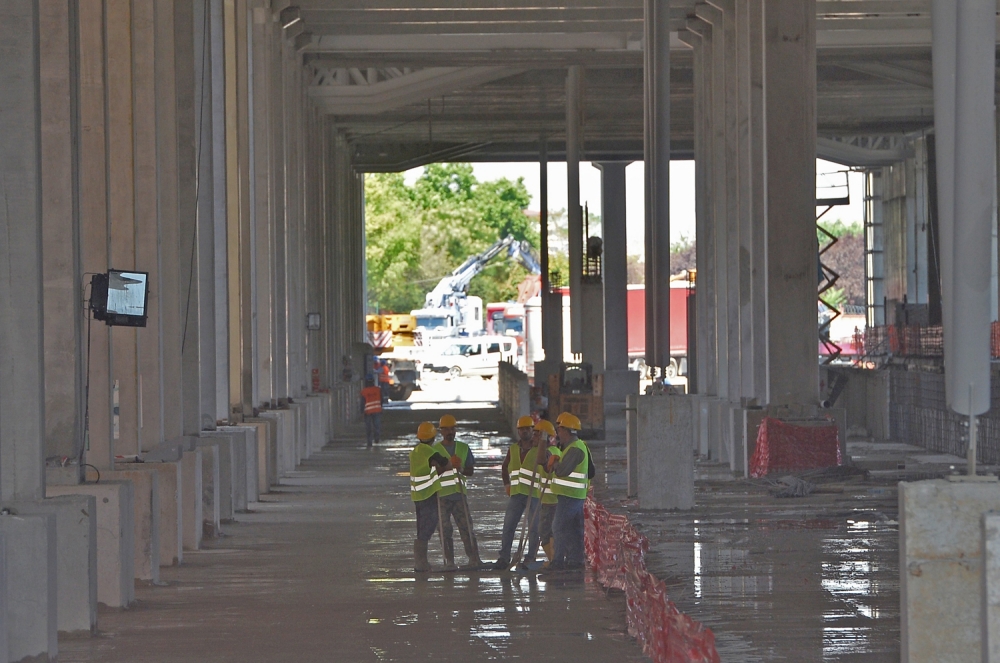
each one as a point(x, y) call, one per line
point(448, 310)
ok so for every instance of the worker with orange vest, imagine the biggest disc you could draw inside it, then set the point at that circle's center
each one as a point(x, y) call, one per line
point(371, 407)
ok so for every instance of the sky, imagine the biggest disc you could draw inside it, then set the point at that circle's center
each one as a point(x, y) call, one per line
point(681, 192)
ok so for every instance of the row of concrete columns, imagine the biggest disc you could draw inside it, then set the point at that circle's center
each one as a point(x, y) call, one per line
point(755, 140)
point(172, 138)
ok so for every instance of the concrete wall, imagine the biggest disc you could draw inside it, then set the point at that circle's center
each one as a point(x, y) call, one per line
point(515, 394)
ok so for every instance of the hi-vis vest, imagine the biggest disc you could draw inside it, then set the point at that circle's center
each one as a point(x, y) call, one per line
point(373, 399)
point(424, 480)
point(545, 480)
point(575, 485)
point(522, 473)
point(451, 482)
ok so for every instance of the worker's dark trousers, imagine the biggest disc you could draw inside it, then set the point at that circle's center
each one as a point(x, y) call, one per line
point(453, 508)
point(427, 517)
point(373, 427)
point(515, 509)
point(567, 527)
point(540, 530)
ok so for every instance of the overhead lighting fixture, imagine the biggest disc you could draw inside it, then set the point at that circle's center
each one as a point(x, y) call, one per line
point(289, 16)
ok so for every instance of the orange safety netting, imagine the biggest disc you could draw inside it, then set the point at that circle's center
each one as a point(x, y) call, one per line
point(783, 447)
point(616, 553)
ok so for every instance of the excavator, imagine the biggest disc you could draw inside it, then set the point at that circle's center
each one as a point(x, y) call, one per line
point(449, 310)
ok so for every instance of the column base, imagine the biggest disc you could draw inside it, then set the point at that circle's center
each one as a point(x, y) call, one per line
point(147, 520)
point(115, 536)
point(663, 461)
point(76, 557)
point(30, 591)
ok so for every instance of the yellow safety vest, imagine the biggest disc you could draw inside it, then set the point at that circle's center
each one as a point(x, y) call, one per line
point(451, 481)
point(521, 473)
point(575, 485)
point(424, 479)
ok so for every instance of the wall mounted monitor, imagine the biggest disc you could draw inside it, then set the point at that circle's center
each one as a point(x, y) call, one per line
point(120, 298)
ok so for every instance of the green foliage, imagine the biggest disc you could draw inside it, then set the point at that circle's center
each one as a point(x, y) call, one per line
point(836, 297)
point(417, 234)
point(838, 229)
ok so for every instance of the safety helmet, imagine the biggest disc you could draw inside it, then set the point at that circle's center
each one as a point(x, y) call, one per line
point(447, 421)
point(525, 422)
point(426, 432)
point(546, 427)
point(570, 421)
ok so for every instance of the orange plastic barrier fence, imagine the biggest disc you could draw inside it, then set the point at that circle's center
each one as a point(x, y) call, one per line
point(616, 553)
point(783, 447)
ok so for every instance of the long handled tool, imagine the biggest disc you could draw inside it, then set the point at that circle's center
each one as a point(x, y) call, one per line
point(526, 525)
point(468, 518)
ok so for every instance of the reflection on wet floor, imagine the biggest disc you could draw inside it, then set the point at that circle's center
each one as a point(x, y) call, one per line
point(806, 579)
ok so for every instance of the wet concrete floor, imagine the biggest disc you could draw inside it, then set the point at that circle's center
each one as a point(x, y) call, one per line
point(797, 579)
point(319, 570)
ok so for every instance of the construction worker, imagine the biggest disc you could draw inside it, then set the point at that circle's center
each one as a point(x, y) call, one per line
point(426, 466)
point(518, 473)
point(454, 504)
point(571, 480)
point(371, 407)
point(384, 378)
point(540, 525)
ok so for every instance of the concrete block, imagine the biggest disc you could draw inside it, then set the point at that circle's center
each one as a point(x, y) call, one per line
point(716, 441)
point(223, 483)
point(618, 385)
point(317, 424)
point(147, 520)
point(301, 431)
point(262, 428)
point(631, 443)
point(233, 461)
point(991, 586)
point(271, 461)
point(248, 435)
point(76, 558)
point(115, 538)
point(285, 442)
point(211, 494)
point(192, 501)
point(735, 432)
point(702, 413)
point(3, 600)
point(31, 573)
point(171, 513)
point(664, 457)
point(941, 568)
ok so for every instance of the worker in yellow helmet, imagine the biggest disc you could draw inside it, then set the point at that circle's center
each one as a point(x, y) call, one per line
point(572, 471)
point(518, 474)
point(454, 504)
point(426, 466)
point(540, 524)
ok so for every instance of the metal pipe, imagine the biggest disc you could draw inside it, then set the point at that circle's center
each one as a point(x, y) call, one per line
point(574, 213)
point(661, 181)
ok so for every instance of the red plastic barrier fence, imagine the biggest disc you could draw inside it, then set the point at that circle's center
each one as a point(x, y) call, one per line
point(783, 447)
point(616, 553)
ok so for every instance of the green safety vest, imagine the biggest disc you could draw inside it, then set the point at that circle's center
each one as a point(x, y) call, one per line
point(424, 480)
point(521, 474)
point(452, 480)
point(575, 485)
point(545, 480)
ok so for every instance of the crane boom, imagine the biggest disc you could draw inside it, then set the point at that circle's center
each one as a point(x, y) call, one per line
point(457, 282)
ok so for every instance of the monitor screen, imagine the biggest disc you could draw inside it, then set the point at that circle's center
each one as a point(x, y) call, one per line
point(120, 297)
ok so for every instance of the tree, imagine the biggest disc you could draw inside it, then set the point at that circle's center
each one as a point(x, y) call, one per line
point(417, 234)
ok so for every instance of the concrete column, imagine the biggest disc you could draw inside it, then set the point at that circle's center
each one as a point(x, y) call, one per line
point(279, 351)
point(615, 268)
point(790, 98)
point(121, 213)
point(699, 36)
point(262, 207)
point(63, 353)
point(660, 183)
point(964, 88)
point(206, 194)
point(753, 238)
point(22, 391)
point(720, 191)
point(148, 180)
point(94, 255)
point(188, 305)
point(220, 179)
point(168, 184)
point(574, 213)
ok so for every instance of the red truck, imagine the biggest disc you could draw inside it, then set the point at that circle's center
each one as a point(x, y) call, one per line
point(680, 293)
